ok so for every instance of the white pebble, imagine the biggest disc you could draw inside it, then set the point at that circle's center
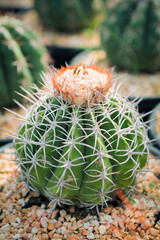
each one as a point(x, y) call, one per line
point(86, 225)
point(17, 236)
point(18, 220)
point(90, 236)
point(151, 204)
point(63, 229)
point(96, 223)
point(34, 230)
point(10, 207)
point(4, 226)
point(21, 202)
point(89, 218)
point(44, 221)
point(102, 229)
point(108, 218)
point(8, 193)
point(14, 224)
point(39, 212)
point(158, 208)
point(35, 238)
point(63, 213)
point(43, 206)
point(54, 220)
point(14, 211)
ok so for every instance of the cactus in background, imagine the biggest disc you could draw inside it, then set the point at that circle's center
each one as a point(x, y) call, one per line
point(130, 35)
point(81, 139)
point(67, 15)
point(20, 59)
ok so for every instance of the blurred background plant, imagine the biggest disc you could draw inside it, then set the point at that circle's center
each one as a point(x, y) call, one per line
point(71, 15)
point(130, 35)
point(21, 59)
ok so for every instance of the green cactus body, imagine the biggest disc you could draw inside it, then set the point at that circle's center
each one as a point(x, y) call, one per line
point(68, 16)
point(20, 59)
point(130, 35)
point(79, 144)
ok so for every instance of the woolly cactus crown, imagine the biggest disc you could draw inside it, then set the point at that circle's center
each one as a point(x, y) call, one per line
point(81, 140)
point(82, 84)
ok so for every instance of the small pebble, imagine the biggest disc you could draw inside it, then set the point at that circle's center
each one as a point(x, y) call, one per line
point(72, 209)
point(63, 213)
point(10, 207)
point(34, 230)
point(154, 232)
point(17, 236)
point(62, 229)
point(86, 225)
point(43, 206)
point(5, 226)
point(58, 224)
point(18, 220)
point(39, 212)
point(21, 202)
point(51, 226)
point(44, 222)
point(151, 204)
point(90, 236)
point(102, 229)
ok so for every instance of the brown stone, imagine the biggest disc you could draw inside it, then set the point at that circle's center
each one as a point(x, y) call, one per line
point(58, 224)
point(50, 234)
point(51, 226)
point(44, 236)
point(36, 224)
point(29, 229)
point(116, 233)
point(131, 226)
point(154, 232)
point(85, 232)
point(130, 238)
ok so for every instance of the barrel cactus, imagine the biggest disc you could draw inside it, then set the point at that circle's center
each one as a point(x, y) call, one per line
point(20, 59)
point(67, 16)
point(130, 35)
point(81, 140)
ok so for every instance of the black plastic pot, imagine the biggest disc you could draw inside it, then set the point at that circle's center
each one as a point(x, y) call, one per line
point(5, 146)
point(5, 141)
point(5, 10)
point(62, 55)
point(153, 135)
point(147, 104)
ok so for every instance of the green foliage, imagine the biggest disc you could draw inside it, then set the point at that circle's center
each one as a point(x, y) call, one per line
point(130, 35)
point(68, 16)
point(20, 59)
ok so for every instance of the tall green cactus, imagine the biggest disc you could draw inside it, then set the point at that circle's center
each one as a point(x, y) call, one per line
point(20, 59)
point(131, 37)
point(81, 140)
point(67, 15)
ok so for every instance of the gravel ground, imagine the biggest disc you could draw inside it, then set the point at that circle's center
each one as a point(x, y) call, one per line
point(27, 215)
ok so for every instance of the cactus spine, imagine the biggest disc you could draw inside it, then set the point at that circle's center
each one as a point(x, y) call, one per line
point(130, 35)
point(20, 59)
point(82, 140)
